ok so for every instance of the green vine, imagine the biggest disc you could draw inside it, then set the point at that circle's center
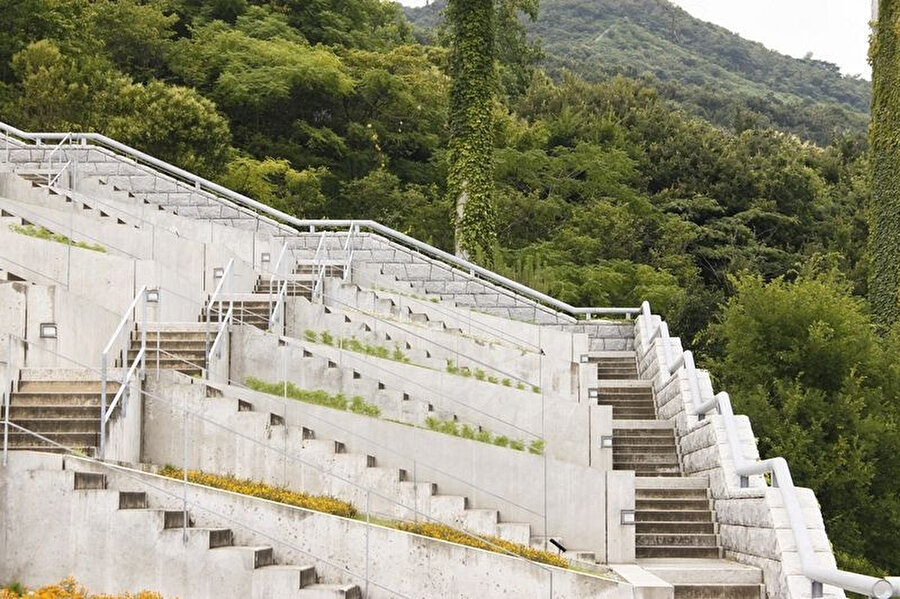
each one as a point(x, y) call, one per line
point(884, 140)
point(472, 25)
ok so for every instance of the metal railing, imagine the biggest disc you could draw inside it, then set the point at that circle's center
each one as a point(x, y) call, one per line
point(10, 375)
point(819, 574)
point(277, 294)
point(216, 304)
point(281, 219)
point(51, 178)
point(132, 371)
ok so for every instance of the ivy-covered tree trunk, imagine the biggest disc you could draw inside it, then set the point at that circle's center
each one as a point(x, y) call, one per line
point(470, 177)
point(884, 139)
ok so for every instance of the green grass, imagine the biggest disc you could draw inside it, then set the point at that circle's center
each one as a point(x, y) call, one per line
point(451, 427)
point(48, 235)
point(355, 404)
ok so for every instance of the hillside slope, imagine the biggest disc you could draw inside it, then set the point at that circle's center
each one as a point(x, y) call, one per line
point(709, 70)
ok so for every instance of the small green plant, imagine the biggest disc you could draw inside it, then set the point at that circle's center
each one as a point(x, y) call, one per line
point(536, 447)
point(48, 235)
point(535, 389)
point(480, 374)
point(467, 432)
point(311, 336)
point(506, 382)
point(399, 356)
point(516, 444)
point(465, 371)
point(452, 368)
point(16, 587)
point(501, 441)
point(327, 338)
point(520, 386)
point(493, 379)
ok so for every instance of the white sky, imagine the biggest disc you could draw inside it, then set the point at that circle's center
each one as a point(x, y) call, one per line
point(833, 30)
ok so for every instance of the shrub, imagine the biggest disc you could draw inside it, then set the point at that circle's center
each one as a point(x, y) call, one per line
point(311, 336)
point(520, 386)
point(536, 447)
point(506, 383)
point(451, 368)
point(502, 441)
point(516, 444)
point(327, 338)
point(493, 379)
point(228, 482)
point(480, 374)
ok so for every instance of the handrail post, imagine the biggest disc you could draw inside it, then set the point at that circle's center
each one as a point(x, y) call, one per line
point(143, 335)
point(103, 374)
point(7, 389)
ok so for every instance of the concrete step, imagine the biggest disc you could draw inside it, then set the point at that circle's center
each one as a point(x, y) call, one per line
point(673, 516)
point(720, 591)
point(64, 386)
point(17, 413)
point(60, 425)
point(175, 345)
point(646, 459)
point(626, 430)
point(58, 398)
point(330, 591)
point(679, 551)
point(671, 493)
point(630, 414)
point(657, 503)
point(670, 528)
point(641, 469)
point(71, 440)
point(676, 540)
point(624, 441)
point(682, 482)
point(639, 449)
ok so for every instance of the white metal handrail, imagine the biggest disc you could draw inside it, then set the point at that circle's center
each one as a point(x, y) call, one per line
point(216, 348)
point(320, 271)
point(273, 278)
point(136, 367)
point(881, 588)
point(473, 270)
point(224, 286)
point(54, 179)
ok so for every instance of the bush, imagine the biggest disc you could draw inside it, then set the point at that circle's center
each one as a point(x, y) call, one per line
point(66, 589)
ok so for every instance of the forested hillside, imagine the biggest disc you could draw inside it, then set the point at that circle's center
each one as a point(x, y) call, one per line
point(749, 240)
point(704, 68)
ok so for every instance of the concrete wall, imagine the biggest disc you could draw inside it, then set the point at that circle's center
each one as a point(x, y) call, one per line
point(66, 532)
point(754, 528)
point(556, 498)
point(564, 426)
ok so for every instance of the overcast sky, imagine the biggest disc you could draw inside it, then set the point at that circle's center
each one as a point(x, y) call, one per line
point(833, 30)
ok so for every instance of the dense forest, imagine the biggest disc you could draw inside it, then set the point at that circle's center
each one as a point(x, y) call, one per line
point(749, 239)
point(708, 70)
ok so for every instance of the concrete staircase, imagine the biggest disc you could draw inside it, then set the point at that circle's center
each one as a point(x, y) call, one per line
point(250, 309)
point(182, 350)
point(66, 412)
point(676, 533)
point(295, 287)
point(269, 579)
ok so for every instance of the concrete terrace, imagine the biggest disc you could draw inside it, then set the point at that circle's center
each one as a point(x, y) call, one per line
point(150, 318)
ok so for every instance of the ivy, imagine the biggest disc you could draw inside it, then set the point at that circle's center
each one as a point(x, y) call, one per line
point(470, 176)
point(884, 138)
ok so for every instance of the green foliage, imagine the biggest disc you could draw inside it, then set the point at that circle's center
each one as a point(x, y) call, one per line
point(470, 175)
point(288, 389)
point(802, 360)
point(48, 235)
point(884, 137)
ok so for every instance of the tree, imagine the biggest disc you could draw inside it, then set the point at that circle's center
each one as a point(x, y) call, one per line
point(884, 138)
point(470, 178)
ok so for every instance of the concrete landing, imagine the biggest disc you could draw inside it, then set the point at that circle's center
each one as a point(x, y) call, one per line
point(701, 571)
